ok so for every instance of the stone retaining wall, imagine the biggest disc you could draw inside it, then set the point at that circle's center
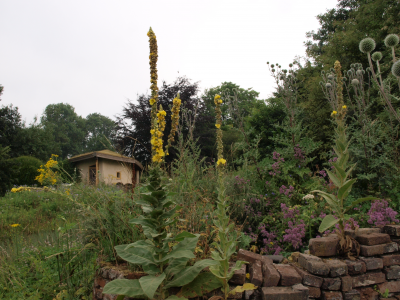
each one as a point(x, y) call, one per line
point(318, 274)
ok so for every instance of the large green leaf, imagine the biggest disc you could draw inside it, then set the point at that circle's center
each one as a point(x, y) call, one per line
point(183, 235)
point(126, 287)
point(331, 199)
point(150, 284)
point(135, 255)
point(359, 201)
point(190, 273)
point(147, 244)
point(177, 254)
point(148, 222)
point(341, 174)
point(350, 170)
point(346, 188)
point(333, 177)
point(150, 199)
point(170, 213)
point(204, 283)
point(188, 243)
point(174, 297)
point(175, 266)
point(327, 223)
point(151, 269)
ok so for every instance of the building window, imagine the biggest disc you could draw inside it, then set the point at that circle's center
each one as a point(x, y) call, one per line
point(118, 175)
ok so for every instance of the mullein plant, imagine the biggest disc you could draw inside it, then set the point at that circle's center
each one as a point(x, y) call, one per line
point(166, 267)
point(227, 237)
point(341, 174)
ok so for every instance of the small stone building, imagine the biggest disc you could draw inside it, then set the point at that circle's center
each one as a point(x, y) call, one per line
point(107, 166)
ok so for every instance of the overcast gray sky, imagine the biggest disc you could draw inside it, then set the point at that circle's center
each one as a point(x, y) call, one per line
point(93, 54)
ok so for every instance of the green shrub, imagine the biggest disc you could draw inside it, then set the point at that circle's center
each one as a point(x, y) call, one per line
point(26, 169)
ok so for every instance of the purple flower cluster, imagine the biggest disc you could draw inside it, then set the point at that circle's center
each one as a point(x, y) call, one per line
point(322, 173)
point(295, 233)
point(250, 211)
point(241, 182)
point(381, 214)
point(287, 191)
point(332, 160)
point(270, 242)
point(275, 166)
point(289, 213)
point(298, 153)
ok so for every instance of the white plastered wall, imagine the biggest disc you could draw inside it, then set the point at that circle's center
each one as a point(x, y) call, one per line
point(109, 168)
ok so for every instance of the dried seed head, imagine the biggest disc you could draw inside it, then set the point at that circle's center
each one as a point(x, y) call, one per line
point(359, 73)
point(355, 82)
point(328, 85)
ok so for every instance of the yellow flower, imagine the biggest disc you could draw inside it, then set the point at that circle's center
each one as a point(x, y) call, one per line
point(334, 112)
point(271, 243)
point(218, 125)
point(67, 192)
point(15, 225)
point(152, 101)
point(248, 276)
point(221, 161)
point(344, 106)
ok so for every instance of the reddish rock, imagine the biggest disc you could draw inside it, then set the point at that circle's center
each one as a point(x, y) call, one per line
point(337, 268)
point(390, 260)
point(368, 279)
point(249, 256)
point(283, 293)
point(368, 294)
point(100, 282)
point(392, 286)
point(308, 279)
point(332, 295)
point(352, 295)
point(372, 263)
point(355, 267)
point(256, 276)
point(271, 275)
point(392, 229)
point(392, 272)
point(239, 276)
point(314, 292)
point(372, 250)
point(331, 284)
point(325, 246)
point(373, 239)
point(289, 276)
point(391, 247)
point(347, 284)
point(362, 231)
point(313, 264)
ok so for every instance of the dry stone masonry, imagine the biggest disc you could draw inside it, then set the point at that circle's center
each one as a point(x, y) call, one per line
point(319, 274)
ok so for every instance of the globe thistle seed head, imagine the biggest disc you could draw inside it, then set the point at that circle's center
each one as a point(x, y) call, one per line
point(267, 62)
point(392, 40)
point(322, 72)
point(321, 83)
point(396, 69)
point(330, 77)
point(290, 71)
point(368, 69)
point(272, 66)
point(281, 77)
point(344, 79)
point(290, 65)
point(328, 85)
point(359, 72)
point(349, 72)
point(352, 66)
point(367, 45)
point(273, 70)
point(363, 72)
point(284, 71)
point(376, 56)
point(355, 82)
point(279, 66)
point(332, 70)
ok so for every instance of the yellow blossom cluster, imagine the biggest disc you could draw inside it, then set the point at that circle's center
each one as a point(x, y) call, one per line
point(46, 173)
point(156, 136)
point(15, 225)
point(153, 74)
point(334, 113)
point(221, 161)
point(176, 105)
point(20, 189)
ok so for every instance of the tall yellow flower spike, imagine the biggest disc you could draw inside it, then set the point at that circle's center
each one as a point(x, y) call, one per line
point(221, 161)
point(176, 105)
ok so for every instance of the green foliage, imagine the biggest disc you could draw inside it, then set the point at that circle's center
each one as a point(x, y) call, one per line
point(100, 132)
point(165, 268)
point(26, 169)
point(7, 170)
